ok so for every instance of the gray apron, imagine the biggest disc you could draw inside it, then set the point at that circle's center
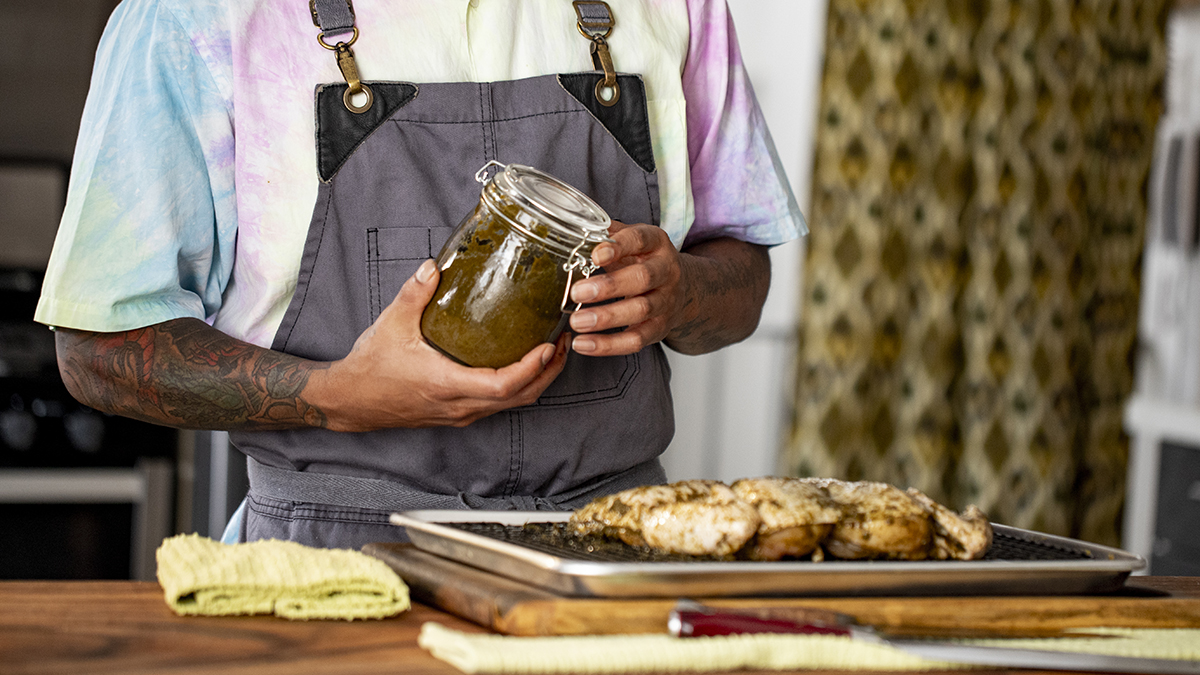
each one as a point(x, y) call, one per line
point(395, 181)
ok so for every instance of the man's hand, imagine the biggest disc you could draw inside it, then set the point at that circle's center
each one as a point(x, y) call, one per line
point(398, 380)
point(697, 301)
point(185, 373)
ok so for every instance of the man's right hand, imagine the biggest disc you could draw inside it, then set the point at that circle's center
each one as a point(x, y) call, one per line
point(185, 373)
point(397, 380)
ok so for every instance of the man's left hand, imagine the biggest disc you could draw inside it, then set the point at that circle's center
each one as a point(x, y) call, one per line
point(697, 301)
point(643, 270)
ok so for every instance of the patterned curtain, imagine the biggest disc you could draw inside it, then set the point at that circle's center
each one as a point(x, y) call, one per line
point(972, 282)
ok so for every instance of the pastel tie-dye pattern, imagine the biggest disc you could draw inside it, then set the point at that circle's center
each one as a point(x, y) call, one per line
point(197, 146)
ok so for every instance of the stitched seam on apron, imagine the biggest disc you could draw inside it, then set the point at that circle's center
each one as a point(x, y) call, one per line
point(378, 281)
point(395, 120)
point(482, 123)
point(322, 517)
point(272, 516)
point(373, 271)
point(515, 453)
point(316, 255)
point(269, 507)
point(492, 120)
point(315, 511)
point(618, 388)
point(345, 521)
point(650, 200)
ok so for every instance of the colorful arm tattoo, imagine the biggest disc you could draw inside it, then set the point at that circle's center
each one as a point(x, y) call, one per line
point(185, 373)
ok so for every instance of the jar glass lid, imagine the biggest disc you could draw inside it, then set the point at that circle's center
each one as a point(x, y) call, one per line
point(565, 206)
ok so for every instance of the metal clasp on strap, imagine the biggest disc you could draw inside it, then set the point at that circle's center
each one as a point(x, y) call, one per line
point(333, 19)
point(596, 23)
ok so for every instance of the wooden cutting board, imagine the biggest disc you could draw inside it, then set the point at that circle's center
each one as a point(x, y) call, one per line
point(513, 608)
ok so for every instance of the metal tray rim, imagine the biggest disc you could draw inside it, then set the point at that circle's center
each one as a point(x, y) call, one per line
point(590, 577)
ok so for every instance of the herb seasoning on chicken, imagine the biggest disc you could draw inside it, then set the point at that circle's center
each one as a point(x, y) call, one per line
point(773, 518)
point(796, 516)
point(694, 517)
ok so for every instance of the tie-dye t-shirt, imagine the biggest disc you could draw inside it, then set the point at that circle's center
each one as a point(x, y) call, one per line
point(194, 175)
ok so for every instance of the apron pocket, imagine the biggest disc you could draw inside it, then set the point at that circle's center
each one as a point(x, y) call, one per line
point(393, 255)
point(590, 379)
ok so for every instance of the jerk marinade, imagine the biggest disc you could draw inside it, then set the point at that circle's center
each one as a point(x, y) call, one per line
point(507, 268)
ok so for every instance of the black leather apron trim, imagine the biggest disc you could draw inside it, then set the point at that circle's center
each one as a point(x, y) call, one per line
point(340, 131)
point(627, 120)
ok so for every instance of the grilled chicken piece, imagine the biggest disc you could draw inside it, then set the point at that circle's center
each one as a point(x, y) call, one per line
point(796, 516)
point(965, 536)
point(694, 517)
point(878, 521)
point(773, 518)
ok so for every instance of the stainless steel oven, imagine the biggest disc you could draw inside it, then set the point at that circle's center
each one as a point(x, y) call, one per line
point(82, 494)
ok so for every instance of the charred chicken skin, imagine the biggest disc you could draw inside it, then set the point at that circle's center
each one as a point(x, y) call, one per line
point(879, 521)
point(796, 516)
point(956, 536)
point(772, 518)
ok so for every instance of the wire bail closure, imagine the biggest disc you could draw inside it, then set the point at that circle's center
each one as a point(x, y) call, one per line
point(576, 261)
point(596, 23)
point(481, 176)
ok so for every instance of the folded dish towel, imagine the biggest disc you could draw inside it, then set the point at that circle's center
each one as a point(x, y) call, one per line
point(474, 653)
point(202, 576)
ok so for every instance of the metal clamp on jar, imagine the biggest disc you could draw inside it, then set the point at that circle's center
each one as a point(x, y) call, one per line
point(507, 270)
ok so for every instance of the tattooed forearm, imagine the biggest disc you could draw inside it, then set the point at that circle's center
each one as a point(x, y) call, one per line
point(727, 282)
point(184, 373)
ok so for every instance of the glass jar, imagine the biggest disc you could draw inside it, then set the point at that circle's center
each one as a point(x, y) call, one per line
point(507, 269)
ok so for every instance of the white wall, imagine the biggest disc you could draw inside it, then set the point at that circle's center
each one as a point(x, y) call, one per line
point(732, 407)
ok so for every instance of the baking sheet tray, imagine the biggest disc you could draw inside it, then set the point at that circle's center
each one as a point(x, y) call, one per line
point(1021, 562)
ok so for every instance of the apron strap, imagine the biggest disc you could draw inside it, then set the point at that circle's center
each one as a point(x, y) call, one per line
point(333, 17)
point(382, 495)
point(595, 17)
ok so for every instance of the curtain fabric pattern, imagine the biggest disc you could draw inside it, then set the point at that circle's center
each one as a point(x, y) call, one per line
point(972, 281)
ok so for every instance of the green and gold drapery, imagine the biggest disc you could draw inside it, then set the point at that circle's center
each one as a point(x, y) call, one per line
point(972, 281)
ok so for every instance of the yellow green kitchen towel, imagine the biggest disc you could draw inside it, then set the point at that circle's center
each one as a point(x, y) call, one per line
point(474, 653)
point(203, 576)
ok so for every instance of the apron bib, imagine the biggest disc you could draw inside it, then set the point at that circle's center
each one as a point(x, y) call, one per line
point(395, 181)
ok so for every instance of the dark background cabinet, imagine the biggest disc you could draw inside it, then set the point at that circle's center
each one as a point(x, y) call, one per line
point(1177, 525)
point(82, 494)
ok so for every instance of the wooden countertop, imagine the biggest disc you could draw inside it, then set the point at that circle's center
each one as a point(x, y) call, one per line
point(125, 627)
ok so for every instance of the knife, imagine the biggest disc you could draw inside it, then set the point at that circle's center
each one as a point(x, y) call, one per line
point(692, 619)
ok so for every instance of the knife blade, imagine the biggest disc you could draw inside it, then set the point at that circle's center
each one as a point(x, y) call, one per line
point(1045, 659)
point(691, 619)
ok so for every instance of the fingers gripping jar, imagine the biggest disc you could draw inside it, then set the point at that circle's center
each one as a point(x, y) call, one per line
point(507, 269)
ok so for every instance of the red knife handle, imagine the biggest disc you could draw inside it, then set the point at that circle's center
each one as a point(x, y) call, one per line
point(686, 623)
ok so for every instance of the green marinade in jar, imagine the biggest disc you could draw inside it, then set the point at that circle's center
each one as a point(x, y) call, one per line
point(501, 290)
